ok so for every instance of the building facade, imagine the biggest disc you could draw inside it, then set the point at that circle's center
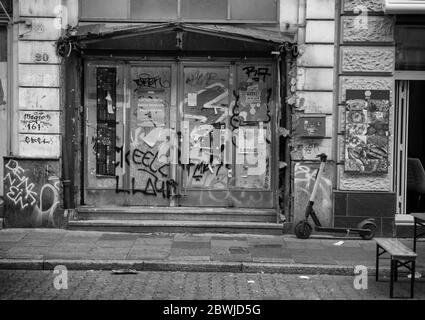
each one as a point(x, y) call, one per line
point(186, 115)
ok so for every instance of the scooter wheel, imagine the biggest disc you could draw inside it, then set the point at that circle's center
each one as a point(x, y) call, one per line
point(368, 235)
point(303, 230)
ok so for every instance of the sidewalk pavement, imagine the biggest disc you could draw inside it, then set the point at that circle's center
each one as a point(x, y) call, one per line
point(43, 249)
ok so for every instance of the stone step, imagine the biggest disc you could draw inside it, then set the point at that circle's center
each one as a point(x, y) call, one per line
point(177, 214)
point(171, 226)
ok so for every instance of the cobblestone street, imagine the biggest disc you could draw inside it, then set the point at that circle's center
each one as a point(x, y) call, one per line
point(86, 285)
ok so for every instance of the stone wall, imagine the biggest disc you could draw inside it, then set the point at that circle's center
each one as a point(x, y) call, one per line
point(38, 116)
point(32, 176)
point(314, 106)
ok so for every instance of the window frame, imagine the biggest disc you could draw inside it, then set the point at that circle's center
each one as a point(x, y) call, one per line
point(179, 17)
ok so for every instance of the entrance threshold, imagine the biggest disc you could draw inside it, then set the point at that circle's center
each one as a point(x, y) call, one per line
point(177, 220)
point(177, 214)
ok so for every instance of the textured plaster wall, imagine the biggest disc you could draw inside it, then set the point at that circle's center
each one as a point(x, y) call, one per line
point(371, 5)
point(379, 29)
point(367, 59)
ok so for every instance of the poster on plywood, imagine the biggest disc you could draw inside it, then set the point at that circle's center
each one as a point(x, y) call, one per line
point(367, 131)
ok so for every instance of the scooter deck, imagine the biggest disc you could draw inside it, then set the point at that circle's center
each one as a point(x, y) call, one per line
point(340, 230)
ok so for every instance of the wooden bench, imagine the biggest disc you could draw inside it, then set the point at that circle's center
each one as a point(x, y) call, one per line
point(401, 256)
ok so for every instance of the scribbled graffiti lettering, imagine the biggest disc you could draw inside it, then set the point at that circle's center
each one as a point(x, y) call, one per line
point(202, 78)
point(36, 121)
point(38, 140)
point(147, 81)
point(45, 210)
point(257, 74)
point(198, 170)
point(145, 161)
point(305, 178)
point(15, 170)
point(21, 191)
point(123, 157)
point(33, 192)
point(152, 187)
point(311, 148)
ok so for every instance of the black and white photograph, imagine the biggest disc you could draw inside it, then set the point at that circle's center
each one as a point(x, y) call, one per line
point(212, 158)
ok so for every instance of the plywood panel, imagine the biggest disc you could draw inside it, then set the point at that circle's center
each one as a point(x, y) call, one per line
point(39, 122)
point(304, 180)
point(39, 98)
point(38, 52)
point(33, 193)
point(39, 75)
point(39, 146)
point(39, 29)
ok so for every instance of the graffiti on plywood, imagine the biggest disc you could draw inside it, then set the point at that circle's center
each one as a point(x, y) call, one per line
point(32, 193)
point(304, 179)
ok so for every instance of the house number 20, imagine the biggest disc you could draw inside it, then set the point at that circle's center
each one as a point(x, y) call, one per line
point(41, 57)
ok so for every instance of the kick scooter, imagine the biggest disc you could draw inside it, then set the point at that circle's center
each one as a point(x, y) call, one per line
point(366, 228)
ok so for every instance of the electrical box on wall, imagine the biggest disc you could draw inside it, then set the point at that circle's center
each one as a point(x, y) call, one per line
point(312, 127)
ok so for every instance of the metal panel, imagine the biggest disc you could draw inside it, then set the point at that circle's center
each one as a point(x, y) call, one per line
point(149, 168)
point(401, 136)
point(149, 132)
point(93, 180)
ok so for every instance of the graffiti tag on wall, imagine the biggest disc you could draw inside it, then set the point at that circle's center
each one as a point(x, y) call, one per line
point(304, 179)
point(32, 193)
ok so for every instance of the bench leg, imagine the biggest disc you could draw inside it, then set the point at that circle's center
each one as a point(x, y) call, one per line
point(412, 280)
point(377, 264)
point(414, 234)
point(396, 271)
point(392, 278)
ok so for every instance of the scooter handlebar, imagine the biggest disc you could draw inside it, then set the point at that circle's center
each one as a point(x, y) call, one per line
point(323, 157)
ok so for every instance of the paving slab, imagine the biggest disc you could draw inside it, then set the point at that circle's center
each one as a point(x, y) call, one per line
point(12, 235)
point(176, 252)
point(190, 245)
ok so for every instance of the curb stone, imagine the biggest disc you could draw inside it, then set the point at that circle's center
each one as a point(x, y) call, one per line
point(139, 265)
